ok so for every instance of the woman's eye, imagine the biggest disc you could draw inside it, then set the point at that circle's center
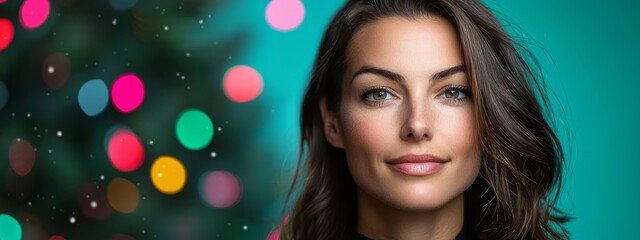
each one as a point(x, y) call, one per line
point(452, 93)
point(378, 95)
point(455, 94)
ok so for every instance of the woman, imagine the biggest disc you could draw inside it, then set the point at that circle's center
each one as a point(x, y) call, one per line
point(421, 122)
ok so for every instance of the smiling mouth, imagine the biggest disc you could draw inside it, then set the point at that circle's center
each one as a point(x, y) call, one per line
point(417, 165)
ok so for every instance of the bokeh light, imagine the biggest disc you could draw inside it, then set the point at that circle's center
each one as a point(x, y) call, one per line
point(127, 92)
point(93, 201)
point(4, 95)
point(11, 229)
point(34, 13)
point(123, 195)
point(22, 156)
point(125, 151)
point(242, 83)
point(285, 15)
point(194, 129)
point(168, 175)
point(220, 189)
point(56, 70)
point(122, 5)
point(93, 97)
point(6, 33)
point(275, 234)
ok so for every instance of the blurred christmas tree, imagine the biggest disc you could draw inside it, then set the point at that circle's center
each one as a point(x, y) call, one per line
point(179, 55)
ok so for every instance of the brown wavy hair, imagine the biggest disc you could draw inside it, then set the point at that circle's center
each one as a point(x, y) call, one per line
point(515, 194)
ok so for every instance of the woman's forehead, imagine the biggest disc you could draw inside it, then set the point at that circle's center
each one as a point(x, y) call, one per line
point(407, 46)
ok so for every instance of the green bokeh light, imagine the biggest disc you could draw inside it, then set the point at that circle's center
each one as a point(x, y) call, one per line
point(194, 129)
point(10, 228)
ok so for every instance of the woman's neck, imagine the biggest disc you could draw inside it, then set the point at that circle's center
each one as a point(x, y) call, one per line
point(380, 221)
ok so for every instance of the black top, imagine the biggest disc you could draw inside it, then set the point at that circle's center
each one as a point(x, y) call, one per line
point(461, 236)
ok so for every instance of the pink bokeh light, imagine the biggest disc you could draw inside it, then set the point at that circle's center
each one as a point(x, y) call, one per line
point(34, 13)
point(242, 84)
point(127, 93)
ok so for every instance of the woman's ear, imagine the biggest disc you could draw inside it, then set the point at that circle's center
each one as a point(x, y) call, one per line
point(331, 125)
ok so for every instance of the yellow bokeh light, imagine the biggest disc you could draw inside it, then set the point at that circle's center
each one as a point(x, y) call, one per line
point(168, 175)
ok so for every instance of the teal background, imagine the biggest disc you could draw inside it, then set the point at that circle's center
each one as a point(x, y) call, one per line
point(588, 51)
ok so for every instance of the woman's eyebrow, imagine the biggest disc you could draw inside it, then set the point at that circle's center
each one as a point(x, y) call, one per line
point(399, 78)
point(448, 72)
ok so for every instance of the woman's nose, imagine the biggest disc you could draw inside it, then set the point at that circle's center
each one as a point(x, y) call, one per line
point(416, 124)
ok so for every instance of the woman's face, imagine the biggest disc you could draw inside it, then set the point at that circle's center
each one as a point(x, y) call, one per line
point(406, 119)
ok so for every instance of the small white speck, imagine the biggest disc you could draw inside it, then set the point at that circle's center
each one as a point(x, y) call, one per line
point(143, 231)
point(94, 204)
point(114, 22)
point(87, 196)
point(209, 16)
point(101, 177)
point(29, 203)
point(166, 28)
point(50, 151)
point(213, 154)
point(51, 70)
point(159, 175)
point(245, 227)
point(188, 54)
point(72, 220)
point(28, 114)
point(59, 133)
point(201, 21)
point(183, 77)
point(151, 142)
point(219, 129)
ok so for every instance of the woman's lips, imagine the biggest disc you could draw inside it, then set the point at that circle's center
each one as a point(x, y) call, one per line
point(417, 165)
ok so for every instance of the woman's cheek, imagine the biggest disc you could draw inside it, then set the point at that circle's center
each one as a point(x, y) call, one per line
point(368, 130)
